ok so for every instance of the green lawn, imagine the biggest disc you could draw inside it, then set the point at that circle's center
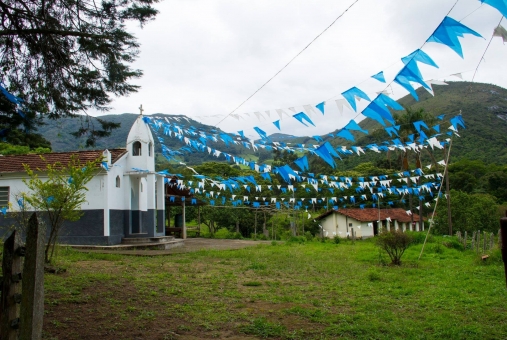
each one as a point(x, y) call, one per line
point(287, 291)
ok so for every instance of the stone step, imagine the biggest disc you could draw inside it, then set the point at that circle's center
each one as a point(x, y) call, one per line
point(135, 239)
point(138, 246)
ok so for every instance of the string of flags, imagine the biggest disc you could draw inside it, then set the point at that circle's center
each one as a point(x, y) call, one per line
point(325, 151)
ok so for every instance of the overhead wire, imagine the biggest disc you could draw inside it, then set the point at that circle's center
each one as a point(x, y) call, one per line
point(290, 61)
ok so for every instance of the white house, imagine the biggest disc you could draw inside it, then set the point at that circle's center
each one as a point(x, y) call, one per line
point(125, 198)
point(366, 222)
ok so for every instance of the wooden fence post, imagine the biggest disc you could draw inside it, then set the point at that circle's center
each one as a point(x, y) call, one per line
point(11, 288)
point(32, 300)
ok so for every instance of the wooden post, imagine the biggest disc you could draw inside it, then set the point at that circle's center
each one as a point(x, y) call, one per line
point(478, 241)
point(473, 241)
point(484, 243)
point(503, 227)
point(32, 300)
point(199, 219)
point(272, 229)
point(491, 240)
point(11, 288)
point(184, 228)
point(255, 226)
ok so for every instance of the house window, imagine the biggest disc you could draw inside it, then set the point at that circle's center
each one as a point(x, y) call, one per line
point(117, 181)
point(141, 186)
point(136, 149)
point(4, 196)
point(150, 146)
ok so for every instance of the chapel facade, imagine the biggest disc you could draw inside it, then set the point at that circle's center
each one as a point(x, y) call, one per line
point(125, 198)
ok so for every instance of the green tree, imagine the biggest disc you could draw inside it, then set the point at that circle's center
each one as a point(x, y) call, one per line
point(65, 57)
point(394, 243)
point(58, 195)
point(470, 212)
point(8, 149)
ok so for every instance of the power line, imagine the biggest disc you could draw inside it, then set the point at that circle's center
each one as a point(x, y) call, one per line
point(290, 61)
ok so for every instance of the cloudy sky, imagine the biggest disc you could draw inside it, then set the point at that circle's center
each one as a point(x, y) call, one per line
point(203, 58)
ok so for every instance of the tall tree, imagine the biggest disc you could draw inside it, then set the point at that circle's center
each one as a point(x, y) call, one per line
point(64, 57)
point(407, 133)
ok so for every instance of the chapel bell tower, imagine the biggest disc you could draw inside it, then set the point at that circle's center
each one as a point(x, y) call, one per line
point(140, 145)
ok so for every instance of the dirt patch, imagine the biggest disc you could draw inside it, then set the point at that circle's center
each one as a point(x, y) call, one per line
point(190, 245)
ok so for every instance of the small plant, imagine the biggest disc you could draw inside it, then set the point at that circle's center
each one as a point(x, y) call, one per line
point(374, 276)
point(394, 243)
point(252, 284)
point(337, 239)
point(263, 328)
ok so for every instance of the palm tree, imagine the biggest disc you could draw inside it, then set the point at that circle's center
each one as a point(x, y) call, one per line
point(406, 122)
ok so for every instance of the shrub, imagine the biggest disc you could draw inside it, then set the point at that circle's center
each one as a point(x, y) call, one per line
point(297, 239)
point(308, 236)
point(453, 243)
point(418, 237)
point(337, 239)
point(394, 243)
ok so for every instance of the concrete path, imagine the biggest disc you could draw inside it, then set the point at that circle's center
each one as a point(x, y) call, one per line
point(190, 245)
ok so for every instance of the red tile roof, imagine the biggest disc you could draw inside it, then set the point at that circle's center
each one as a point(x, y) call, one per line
point(14, 163)
point(372, 214)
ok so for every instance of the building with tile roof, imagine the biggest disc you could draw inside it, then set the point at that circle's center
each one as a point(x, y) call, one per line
point(126, 197)
point(366, 222)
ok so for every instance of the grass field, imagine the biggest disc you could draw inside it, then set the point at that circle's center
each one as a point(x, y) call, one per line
point(311, 290)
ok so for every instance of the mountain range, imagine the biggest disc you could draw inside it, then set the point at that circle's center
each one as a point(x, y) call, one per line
point(483, 107)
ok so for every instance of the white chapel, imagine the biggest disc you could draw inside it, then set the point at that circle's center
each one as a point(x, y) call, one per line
point(126, 198)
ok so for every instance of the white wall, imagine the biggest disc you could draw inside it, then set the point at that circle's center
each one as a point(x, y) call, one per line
point(95, 196)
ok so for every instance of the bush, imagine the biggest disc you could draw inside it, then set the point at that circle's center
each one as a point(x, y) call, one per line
point(308, 236)
point(418, 237)
point(394, 243)
point(337, 239)
point(297, 239)
point(453, 243)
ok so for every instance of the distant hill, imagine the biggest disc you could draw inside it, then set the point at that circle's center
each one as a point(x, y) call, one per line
point(58, 132)
point(484, 110)
point(483, 106)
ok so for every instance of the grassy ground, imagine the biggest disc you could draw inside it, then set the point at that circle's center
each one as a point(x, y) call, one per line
point(284, 291)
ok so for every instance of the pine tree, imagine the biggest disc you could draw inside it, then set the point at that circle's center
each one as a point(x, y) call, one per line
point(64, 57)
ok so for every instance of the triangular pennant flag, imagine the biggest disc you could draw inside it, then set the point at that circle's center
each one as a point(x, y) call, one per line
point(500, 32)
point(500, 5)
point(351, 95)
point(302, 116)
point(277, 124)
point(450, 30)
point(379, 76)
point(341, 103)
point(320, 106)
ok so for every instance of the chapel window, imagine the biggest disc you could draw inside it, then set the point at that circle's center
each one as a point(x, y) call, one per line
point(117, 181)
point(136, 149)
point(4, 196)
point(150, 146)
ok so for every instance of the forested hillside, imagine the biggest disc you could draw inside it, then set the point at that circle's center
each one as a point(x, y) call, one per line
point(483, 106)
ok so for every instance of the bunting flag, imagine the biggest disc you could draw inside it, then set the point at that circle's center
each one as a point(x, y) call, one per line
point(260, 132)
point(500, 5)
point(302, 163)
point(411, 73)
point(325, 151)
point(302, 116)
point(351, 94)
point(277, 124)
point(379, 76)
point(346, 135)
point(500, 32)
point(352, 125)
point(320, 106)
point(341, 103)
point(450, 30)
